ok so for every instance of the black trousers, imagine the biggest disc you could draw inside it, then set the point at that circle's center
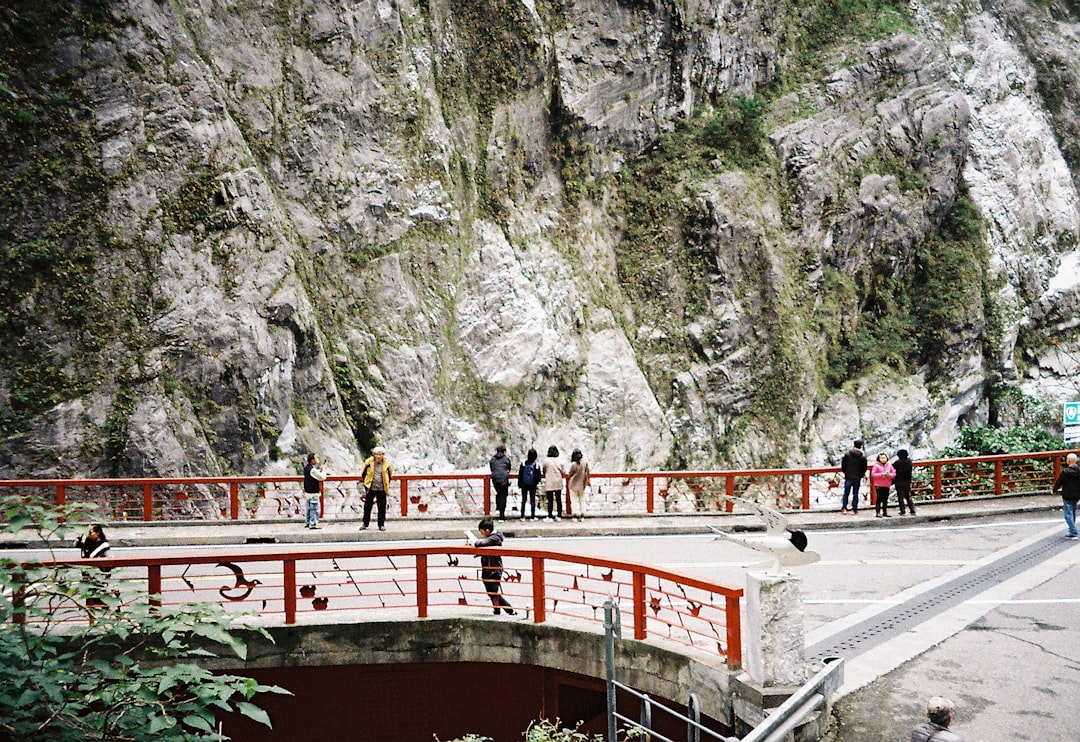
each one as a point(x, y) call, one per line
point(492, 580)
point(556, 497)
point(528, 495)
point(881, 500)
point(370, 498)
point(502, 490)
point(903, 496)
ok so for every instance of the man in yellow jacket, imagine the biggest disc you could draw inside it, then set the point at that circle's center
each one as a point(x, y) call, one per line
point(376, 474)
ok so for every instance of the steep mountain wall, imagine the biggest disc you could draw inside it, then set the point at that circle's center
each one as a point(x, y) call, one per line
point(672, 233)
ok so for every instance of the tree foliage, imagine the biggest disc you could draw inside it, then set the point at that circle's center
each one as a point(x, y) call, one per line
point(83, 659)
point(987, 441)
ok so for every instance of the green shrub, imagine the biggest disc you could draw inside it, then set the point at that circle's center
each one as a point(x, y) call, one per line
point(987, 441)
point(75, 669)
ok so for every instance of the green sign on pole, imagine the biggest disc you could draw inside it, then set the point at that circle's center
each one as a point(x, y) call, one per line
point(1071, 421)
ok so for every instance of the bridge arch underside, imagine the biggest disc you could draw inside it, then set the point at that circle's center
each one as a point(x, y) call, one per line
point(408, 680)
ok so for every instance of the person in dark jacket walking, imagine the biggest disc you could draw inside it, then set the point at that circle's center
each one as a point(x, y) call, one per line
point(491, 567)
point(853, 465)
point(1067, 487)
point(902, 483)
point(500, 479)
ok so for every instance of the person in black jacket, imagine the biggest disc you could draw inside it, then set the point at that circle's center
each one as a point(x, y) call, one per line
point(500, 479)
point(94, 546)
point(313, 479)
point(902, 482)
point(853, 465)
point(1067, 487)
point(491, 567)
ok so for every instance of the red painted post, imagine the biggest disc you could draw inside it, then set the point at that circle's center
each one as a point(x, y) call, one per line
point(148, 501)
point(729, 492)
point(289, 587)
point(1055, 473)
point(487, 495)
point(61, 495)
point(421, 585)
point(153, 584)
point(734, 633)
point(806, 490)
point(937, 481)
point(404, 488)
point(639, 606)
point(539, 609)
point(997, 477)
point(234, 500)
point(650, 493)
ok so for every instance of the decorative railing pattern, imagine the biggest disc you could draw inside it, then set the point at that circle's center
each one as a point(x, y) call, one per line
point(354, 585)
point(471, 495)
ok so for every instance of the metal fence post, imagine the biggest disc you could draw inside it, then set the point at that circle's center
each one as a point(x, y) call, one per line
point(693, 712)
point(612, 628)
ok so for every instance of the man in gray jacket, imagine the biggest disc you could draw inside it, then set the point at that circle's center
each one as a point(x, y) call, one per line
point(939, 712)
point(500, 479)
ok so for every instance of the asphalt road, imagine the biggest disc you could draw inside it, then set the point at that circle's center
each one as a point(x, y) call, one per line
point(1009, 658)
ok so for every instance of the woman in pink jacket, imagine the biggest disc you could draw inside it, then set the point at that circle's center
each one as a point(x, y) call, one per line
point(881, 476)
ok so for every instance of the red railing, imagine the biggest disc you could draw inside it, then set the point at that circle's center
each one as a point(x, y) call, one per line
point(354, 585)
point(470, 494)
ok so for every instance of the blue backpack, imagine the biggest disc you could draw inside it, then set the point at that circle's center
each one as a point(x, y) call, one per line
point(530, 474)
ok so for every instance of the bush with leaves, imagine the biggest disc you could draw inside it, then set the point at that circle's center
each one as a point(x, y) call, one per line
point(552, 731)
point(986, 441)
point(125, 670)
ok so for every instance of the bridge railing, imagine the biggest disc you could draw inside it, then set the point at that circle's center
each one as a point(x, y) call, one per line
point(471, 494)
point(353, 585)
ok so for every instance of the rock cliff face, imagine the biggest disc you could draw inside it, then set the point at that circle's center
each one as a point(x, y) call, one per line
point(672, 233)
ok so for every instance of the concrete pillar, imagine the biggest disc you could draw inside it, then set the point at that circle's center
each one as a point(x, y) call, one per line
point(773, 637)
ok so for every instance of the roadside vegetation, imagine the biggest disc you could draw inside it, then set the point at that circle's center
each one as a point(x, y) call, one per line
point(73, 666)
point(553, 731)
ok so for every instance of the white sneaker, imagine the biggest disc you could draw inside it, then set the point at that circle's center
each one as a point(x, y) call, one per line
point(547, 520)
point(558, 518)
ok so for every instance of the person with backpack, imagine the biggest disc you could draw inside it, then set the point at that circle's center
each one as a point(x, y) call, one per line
point(528, 479)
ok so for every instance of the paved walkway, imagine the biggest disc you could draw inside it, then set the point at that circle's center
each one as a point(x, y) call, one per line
point(290, 531)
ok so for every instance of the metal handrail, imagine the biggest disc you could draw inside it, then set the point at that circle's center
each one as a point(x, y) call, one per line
point(938, 478)
point(794, 710)
point(544, 580)
point(694, 727)
point(774, 728)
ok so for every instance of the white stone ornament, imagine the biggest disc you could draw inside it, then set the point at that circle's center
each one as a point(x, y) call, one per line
point(786, 546)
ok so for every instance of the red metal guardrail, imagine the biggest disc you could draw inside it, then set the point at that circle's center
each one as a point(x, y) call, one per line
point(470, 494)
point(353, 585)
